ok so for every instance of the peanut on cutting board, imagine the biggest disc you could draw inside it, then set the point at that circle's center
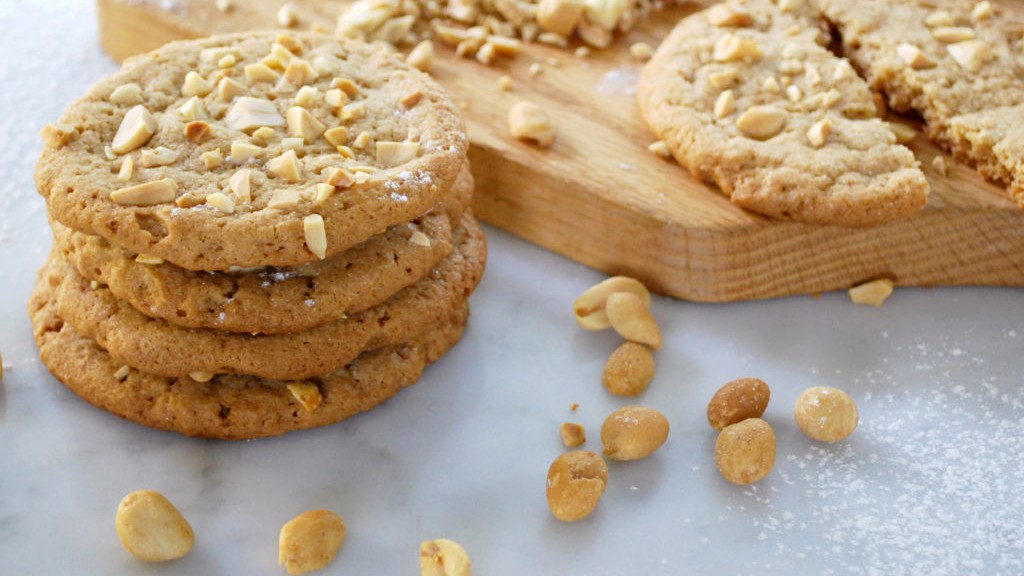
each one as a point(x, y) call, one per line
point(576, 481)
point(633, 432)
point(444, 557)
point(151, 528)
point(825, 413)
point(738, 400)
point(310, 541)
point(745, 451)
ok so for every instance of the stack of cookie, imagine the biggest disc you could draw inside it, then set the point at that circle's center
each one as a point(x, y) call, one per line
point(254, 234)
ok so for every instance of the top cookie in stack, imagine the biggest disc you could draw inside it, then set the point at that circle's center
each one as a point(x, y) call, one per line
point(255, 233)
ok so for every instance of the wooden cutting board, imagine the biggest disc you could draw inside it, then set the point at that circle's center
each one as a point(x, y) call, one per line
point(599, 197)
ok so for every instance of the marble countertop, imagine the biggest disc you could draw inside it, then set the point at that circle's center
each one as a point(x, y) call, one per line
point(929, 483)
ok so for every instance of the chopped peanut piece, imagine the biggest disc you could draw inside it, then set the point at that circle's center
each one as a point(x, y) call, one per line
point(390, 154)
point(903, 132)
point(939, 163)
point(151, 528)
point(761, 122)
point(263, 135)
point(353, 111)
point(159, 156)
point(221, 202)
point(723, 79)
point(286, 16)
point(573, 435)
point(422, 56)
point(913, 56)
point(641, 51)
point(528, 121)
point(283, 199)
point(146, 194)
point(336, 98)
point(323, 193)
point(411, 99)
point(149, 259)
point(307, 97)
point(420, 239)
point(122, 372)
point(198, 131)
point(350, 88)
point(793, 93)
point(299, 72)
point(724, 104)
point(982, 11)
point(310, 541)
point(315, 234)
point(195, 85)
point(242, 152)
point(336, 136)
point(303, 124)
point(292, 143)
point(731, 48)
point(873, 293)
point(260, 73)
point(559, 16)
point(660, 148)
point(228, 89)
point(939, 18)
point(285, 166)
point(128, 94)
point(241, 185)
point(818, 134)
point(952, 34)
point(971, 55)
point(307, 394)
point(361, 141)
point(249, 113)
point(227, 61)
point(127, 169)
point(57, 135)
point(729, 15)
point(212, 159)
point(192, 109)
point(137, 127)
point(338, 177)
point(443, 557)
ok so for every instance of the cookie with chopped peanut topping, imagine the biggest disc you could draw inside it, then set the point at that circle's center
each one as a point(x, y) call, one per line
point(747, 96)
point(271, 300)
point(256, 149)
point(230, 407)
point(161, 348)
point(959, 64)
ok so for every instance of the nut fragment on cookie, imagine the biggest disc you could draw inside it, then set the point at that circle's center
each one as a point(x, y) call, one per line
point(122, 372)
point(248, 113)
point(589, 307)
point(729, 15)
point(127, 94)
point(56, 135)
point(315, 234)
point(221, 202)
point(971, 55)
point(422, 56)
point(420, 239)
point(242, 152)
point(192, 109)
point(159, 156)
point(303, 124)
point(724, 104)
point(151, 528)
point(260, 72)
point(147, 193)
point(873, 293)
point(127, 169)
point(576, 481)
point(136, 128)
point(982, 11)
point(939, 18)
point(285, 166)
point(761, 122)
point(229, 89)
point(240, 185)
point(951, 34)
point(528, 121)
point(149, 259)
point(307, 394)
point(573, 434)
point(390, 154)
point(310, 541)
point(731, 48)
point(818, 134)
point(286, 16)
point(444, 557)
point(195, 85)
point(913, 56)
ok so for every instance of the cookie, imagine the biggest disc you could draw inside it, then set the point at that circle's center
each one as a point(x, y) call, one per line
point(230, 407)
point(256, 149)
point(747, 96)
point(271, 300)
point(955, 63)
point(159, 348)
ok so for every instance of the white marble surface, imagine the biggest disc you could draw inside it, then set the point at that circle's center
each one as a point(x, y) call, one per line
point(930, 482)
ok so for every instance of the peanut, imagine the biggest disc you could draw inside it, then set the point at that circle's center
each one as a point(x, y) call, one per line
point(825, 413)
point(631, 318)
point(576, 481)
point(628, 370)
point(738, 400)
point(151, 528)
point(310, 541)
point(633, 432)
point(444, 557)
point(745, 451)
point(589, 308)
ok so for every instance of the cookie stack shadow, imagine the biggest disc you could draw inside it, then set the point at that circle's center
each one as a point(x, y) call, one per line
point(260, 350)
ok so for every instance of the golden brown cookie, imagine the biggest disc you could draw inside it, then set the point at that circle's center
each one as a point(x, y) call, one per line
point(256, 149)
point(747, 96)
point(159, 348)
point(272, 300)
point(956, 63)
point(230, 407)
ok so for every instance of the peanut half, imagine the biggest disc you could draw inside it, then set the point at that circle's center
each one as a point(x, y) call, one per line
point(589, 308)
point(151, 528)
point(444, 557)
point(310, 541)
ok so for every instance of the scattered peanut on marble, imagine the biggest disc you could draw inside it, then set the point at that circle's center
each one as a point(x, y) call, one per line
point(151, 528)
point(633, 432)
point(825, 413)
point(444, 557)
point(738, 400)
point(628, 370)
point(745, 451)
point(576, 481)
point(310, 541)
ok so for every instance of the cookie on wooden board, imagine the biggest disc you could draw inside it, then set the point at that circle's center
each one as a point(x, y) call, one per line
point(160, 348)
point(957, 63)
point(272, 300)
point(255, 149)
point(230, 407)
point(747, 96)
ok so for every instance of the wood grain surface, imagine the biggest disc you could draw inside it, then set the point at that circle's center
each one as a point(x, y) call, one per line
point(599, 197)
